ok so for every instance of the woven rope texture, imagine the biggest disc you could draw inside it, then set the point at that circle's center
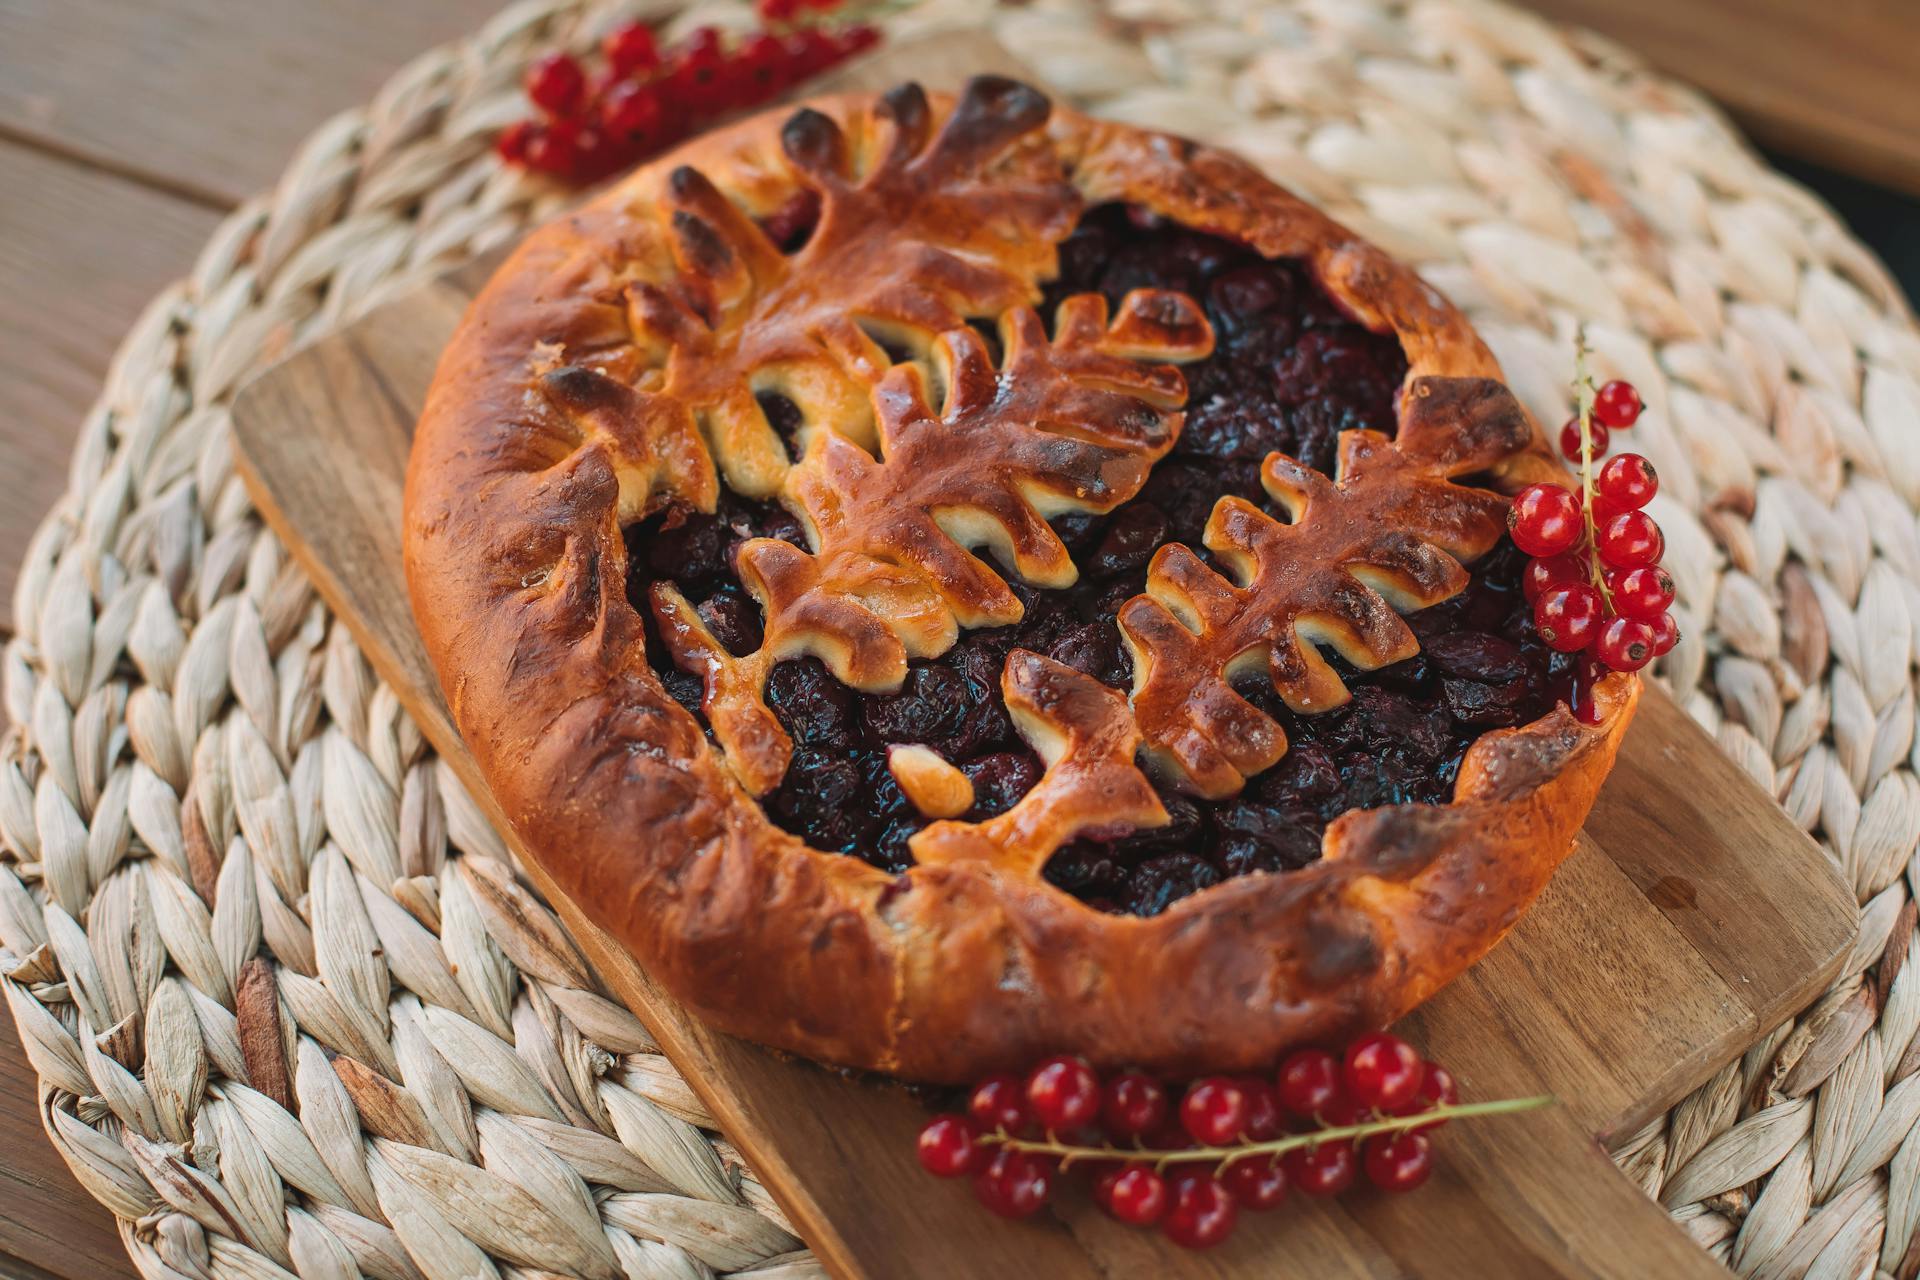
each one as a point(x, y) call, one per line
point(292, 1013)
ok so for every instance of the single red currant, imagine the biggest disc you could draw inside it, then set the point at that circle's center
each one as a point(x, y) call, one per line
point(1552, 571)
point(777, 10)
point(1133, 1193)
point(1617, 404)
point(1263, 1109)
point(1214, 1111)
point(762, 63)
point(1629, 539)
point(1344, 1111)
point(1437, 1089)
point(1014, 1184)
point(1545, 519)
point(1383, 1071)
point(1200, 1214)
point(949, 1147)
point(632, 112)
point(1323, 1170)
point(1398, 1161)
point(556, 84)
point(1063, 1093)
point(1570, 439)
point(1309, 1080)
point(1132, 1104)
point(1627, 483)
point(1626, 644)
point(514, 140)
point(1568, 616)
point(1644, 593)
point(1666, 634)
point(555, 148)
point(631, 50)
point(1257, 1183)
point(999, 1102)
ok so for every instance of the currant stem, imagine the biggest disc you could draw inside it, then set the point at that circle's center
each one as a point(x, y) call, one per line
point(1583, 393)
point(1069, 1152)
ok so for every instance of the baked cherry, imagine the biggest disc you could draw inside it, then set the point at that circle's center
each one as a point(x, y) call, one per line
point(1625, 644)
point(1132, 1193)
point(999, 1103)
point(1326, 1169)
point(1570, 439)
point(1200, 1212)
point(949, 1147)
point(1568, 616)
point(1666, 634)
point(1063, 1093)
point(631, 50)
point(1545, 519)
point(1309, 1081)
point(1014, 1184)
point(1214, 1111)
point(1383, 1071)
point(1133, 1104)
point(1257, 1183)
point(1617, 405)
point(1629, 539)
point(556, 84)
point(1398, 1161)
point(1626, 483)
point(1548, 572)
point(1644, 593)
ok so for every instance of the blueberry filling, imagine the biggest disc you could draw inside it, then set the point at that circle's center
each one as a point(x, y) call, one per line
point(1290, 372)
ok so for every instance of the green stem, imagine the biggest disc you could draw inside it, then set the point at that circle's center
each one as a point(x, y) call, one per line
point(1069, 1152)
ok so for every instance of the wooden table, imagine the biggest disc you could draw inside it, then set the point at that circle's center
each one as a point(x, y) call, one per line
point(121, 148)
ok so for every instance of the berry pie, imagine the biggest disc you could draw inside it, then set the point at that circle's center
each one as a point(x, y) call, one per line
point(948, 580)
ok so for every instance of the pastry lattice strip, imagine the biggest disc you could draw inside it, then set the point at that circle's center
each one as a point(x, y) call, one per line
point(1388, 536)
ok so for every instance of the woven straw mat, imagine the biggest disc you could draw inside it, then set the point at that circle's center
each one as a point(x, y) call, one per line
point(229, 857)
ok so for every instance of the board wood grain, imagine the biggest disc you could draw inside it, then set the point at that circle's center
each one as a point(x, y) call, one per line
point(1692, 917)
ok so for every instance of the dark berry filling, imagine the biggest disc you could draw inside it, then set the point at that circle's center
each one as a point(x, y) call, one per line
point(1290, 372)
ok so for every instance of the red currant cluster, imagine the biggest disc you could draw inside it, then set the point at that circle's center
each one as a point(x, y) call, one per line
point(1230, 1142)
point(1595, 581)
point(648, 98)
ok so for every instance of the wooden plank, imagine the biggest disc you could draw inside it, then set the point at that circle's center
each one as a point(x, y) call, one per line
point(1834, 84)
point(82, 253)
point(204, 96)
point(1622, 989)
point(47, 1221)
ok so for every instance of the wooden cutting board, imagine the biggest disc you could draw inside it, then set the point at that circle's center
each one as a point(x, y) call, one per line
point(1692, 918)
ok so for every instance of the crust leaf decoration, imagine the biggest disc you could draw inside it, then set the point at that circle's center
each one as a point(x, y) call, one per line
point(1388, 534)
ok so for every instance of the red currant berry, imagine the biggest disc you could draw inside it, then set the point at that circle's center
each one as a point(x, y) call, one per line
point(1063, 1093)
point(1570, 439)
point(762, 63)
point(1644, 593)
point(1666, 634)
point(1309, 1081)
point(1437, 1089)
point(1617, 404)
point(1263, 1109)
point(777, 10)
point(948, 1147)
point(1383, 1071)
point(1344, 1111)
point(1133, 1193)
point(631, 112)
point(1545, 519)
point(1014, 1184)
point(1200, 1214)
point(555, 148)
point(858, 38)
point(1133, 1104)
point(1552, 571)
point(1214, 1111)
point(1629, 539)
point(1625, 645)
point(1568, 616)
point(1398, 1161)
point(1323, 1170)
point(514, 140)
point(631, 50)
point(1627, 483)
point(556, 84)
point(997, 1103)
point(1257, 1183)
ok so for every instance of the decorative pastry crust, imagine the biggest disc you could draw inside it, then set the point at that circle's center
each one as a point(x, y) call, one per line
point(610, 370)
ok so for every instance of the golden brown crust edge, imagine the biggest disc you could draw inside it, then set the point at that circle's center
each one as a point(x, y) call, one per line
point(518, 583)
